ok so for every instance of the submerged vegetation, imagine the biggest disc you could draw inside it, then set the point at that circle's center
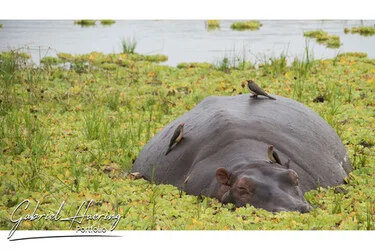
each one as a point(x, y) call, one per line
point(322, 37)
point(362, 30)
point(107, 22)
point(85, 22)
point(247, 25)
point(71, 128)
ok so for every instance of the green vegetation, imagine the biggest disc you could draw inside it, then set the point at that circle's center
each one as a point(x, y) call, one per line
point(71, 129)
point(212, 24)
point(273, 65)
point(1, 25)
point(194, 65)
point(128, 45)
point(322, 37)
point(333, 42)
point(233, 60)
point(302, 69)
point(247, 25)
point(353, 54)
point(315, 34)
point(362, 30)
point(156, 58)
point(107, 22)
point(85, 22)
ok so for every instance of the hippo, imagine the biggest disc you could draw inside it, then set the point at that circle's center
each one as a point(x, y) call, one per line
point(223, 153)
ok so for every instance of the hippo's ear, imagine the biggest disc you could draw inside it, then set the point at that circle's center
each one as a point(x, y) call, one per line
point(222, 176)
point(293, 177)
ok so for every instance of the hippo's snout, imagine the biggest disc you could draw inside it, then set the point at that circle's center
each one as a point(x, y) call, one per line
point(305, 208)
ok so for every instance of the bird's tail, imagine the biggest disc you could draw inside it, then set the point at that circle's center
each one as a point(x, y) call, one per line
point(271, 97)
point(169, 150)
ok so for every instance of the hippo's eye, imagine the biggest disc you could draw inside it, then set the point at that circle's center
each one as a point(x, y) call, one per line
point(243, 189)
point(245, 185)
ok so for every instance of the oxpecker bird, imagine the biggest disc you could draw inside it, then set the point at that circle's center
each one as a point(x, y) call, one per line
point(177, 136)
point(256, 90)
point(273, 155)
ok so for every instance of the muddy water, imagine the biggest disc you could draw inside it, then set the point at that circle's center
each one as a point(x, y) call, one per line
point(182, 41)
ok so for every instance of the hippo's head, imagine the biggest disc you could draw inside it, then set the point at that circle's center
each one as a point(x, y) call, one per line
point(268, 187)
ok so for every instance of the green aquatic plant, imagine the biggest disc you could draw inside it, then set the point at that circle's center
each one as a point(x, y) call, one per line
point(85, 22)
point(273, 65)
point(362, 30)
point(113, 101)
point(50, 61)
point(95, 126)
point(212, 24)
point(109, 66)
point(233, 60)
point(185, 65)
point(156, 58)
point(65, 57)
point(128, 45)
point(333, 42)
point(107, 22)
point(223, 65)
point(247, 25)
point(11, 64)
point(1, 25)
point(315, 34)
point(301, 69)
point(353, 54)
point(322, 37)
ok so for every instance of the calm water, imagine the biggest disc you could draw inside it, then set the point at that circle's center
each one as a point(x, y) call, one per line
point(182, 41)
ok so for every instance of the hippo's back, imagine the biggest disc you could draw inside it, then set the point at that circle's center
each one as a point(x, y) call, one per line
point(221, 130)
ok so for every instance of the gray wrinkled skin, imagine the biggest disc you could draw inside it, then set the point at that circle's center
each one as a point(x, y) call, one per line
point(271, 188)
point(233, 133)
